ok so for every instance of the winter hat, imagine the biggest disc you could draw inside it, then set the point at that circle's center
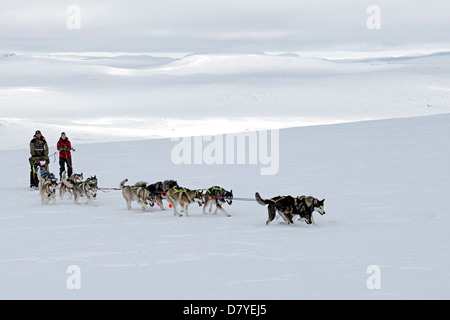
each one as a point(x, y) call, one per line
point(63, 133)
point(38, 132)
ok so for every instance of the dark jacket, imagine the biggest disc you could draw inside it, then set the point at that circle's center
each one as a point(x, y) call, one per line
point(38, 147)
point(64, 146)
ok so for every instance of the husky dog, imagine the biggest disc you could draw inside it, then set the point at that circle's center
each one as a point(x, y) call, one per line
point(184, 197)
point(312, 204)
point(286, 206)
point(86, 189)
point(138, 193)
point(218, 196)
point(74, 179)
point(160, 188)
point(47, 187)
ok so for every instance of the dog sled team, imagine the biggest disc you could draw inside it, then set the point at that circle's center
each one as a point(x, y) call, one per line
point(147, 195)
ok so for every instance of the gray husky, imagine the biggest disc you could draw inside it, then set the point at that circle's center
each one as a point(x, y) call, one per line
point(218, 196)
point(73, 179)
point(138, 193)
point(47, 188)
point(86, 189)
point(184, 197)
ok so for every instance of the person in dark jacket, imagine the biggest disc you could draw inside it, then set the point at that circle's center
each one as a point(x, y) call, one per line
point(38, 151)
point(65, 157)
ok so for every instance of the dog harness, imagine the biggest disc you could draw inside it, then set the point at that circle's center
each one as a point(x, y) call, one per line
point(213, 188)
point(275, 201)
point(178, 190)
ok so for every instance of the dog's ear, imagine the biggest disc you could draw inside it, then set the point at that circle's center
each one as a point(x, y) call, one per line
point(323, 201)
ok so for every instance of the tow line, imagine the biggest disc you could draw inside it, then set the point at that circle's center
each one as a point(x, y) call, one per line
point(226, 198)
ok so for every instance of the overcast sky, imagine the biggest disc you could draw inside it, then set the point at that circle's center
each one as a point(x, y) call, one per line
point(231, 25)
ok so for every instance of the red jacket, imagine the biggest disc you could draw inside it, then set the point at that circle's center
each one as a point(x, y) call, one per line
point(64, 147)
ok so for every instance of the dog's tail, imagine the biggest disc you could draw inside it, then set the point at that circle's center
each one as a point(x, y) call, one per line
point(260, 200)
point(38, 171)
point(122, 184)
point(64, 180)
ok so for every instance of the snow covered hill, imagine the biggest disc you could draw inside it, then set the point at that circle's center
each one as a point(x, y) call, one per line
point(105, 97)
point(386, 185)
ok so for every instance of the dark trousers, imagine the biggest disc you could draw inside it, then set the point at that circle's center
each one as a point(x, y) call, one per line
point(62, 166)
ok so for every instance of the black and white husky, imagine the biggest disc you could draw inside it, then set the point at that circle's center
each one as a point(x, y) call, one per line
point(73, 179)
point(86, 189)
point(47, 187)
point(313, 204)
point(159, 190)
point(287, 207)
point(218, 196)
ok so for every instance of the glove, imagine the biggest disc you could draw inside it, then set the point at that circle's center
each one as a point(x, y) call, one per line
point(73, 149)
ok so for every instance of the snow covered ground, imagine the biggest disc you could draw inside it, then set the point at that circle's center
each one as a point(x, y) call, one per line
point(385, 179)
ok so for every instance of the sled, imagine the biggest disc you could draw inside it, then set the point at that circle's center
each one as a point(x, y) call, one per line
point(42, 164)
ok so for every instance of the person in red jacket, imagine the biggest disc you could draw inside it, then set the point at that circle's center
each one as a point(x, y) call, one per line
point(65, 157)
